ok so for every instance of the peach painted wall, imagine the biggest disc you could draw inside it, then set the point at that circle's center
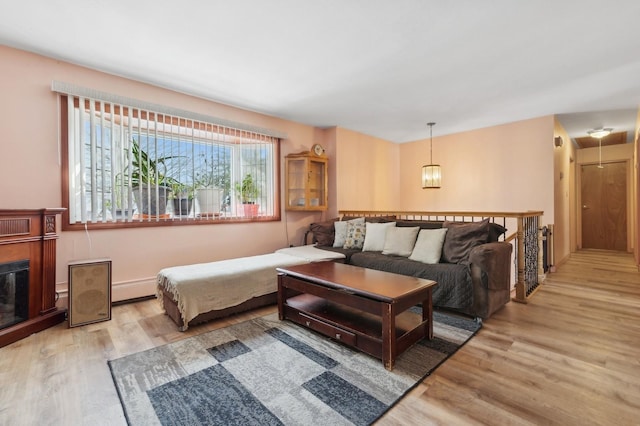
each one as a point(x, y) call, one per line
point(329, 137)
point(30, 175)
point(367, 172)
point(564, 233)
point(636, 185)
point(501, 168)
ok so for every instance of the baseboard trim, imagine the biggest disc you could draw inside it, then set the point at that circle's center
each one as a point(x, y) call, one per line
point(562, 261)
point(134, 300)
point(120, 291)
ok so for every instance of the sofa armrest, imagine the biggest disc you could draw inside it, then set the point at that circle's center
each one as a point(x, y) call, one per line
point(494, 260)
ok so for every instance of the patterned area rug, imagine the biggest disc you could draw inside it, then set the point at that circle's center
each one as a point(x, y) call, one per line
point(270, 372)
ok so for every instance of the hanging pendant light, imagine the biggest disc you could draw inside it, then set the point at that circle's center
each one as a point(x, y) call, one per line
point(599, 134)
point(431, 173)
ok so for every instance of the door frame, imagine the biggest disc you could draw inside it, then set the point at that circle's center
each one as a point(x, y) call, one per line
point(630, 208)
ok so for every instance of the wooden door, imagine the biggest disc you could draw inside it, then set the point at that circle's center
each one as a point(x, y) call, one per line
point(604, 206)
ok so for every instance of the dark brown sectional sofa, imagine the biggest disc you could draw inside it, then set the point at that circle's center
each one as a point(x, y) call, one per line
point(473, 274)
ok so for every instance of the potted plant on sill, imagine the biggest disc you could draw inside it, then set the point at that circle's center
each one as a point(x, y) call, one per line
point(182, 197)
point(122, 211)
point(211, 183)
point(150, 185)
point(247, 192)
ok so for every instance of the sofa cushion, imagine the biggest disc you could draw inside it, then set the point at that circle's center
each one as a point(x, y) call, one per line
point(341, 231)
point(400, 241)
point(356, 233)
point(347, 252)
point(428, 248)
point(375, 236)
point(454, 289)
point(324, 232)
point(461, 238)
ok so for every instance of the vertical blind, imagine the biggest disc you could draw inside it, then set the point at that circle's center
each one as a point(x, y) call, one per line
point(128, 164)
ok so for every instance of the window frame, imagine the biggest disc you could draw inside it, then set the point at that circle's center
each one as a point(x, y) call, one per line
point(64, 100)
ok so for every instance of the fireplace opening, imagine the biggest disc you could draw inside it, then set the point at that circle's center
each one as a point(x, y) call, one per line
point(14, 292)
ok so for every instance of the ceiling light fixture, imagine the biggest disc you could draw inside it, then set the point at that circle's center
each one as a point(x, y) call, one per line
point(599, 134)
point(431, 173)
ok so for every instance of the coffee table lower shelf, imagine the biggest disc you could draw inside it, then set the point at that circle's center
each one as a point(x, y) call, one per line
point(352, 326)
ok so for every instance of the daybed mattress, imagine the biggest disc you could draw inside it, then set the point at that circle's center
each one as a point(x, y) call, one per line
point(205, 287)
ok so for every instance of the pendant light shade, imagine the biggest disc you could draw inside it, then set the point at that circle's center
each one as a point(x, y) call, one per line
point(431, 173)
point(431, 176)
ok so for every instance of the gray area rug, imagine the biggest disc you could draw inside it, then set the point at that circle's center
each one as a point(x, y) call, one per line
point(270, 372)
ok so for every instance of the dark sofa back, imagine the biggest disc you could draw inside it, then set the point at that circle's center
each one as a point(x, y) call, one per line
point(324, 232)
point(495, 230)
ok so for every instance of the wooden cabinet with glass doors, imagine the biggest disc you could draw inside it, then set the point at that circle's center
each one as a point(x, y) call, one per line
point(306, 182)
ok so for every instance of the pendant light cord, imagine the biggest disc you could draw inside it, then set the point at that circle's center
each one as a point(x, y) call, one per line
point(431, 142)
point(600, 153)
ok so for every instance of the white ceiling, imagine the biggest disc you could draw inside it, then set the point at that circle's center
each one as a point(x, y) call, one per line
point(383, 68)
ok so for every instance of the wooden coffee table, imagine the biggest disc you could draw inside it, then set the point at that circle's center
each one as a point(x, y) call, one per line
point(361, 307)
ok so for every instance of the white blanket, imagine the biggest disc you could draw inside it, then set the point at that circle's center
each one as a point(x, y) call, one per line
point(204, 287)
point(310, 253)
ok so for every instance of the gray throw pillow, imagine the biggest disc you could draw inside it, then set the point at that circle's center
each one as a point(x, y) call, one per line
point(400, 241)
point(461, 238)
point(376, 234)
point(324, 232)
point(428, 248)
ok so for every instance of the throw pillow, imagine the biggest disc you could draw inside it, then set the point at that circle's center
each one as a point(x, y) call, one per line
point(375, 235)
point(461, 238)
point(495, 231)
point(428, 248)
point(323, 232)
point(356, 233)
point(399, 241)
point(341, 231)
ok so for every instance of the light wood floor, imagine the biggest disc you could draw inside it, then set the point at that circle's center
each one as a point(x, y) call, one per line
point(570, 357)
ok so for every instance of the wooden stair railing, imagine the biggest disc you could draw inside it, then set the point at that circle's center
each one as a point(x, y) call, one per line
point(526, 239)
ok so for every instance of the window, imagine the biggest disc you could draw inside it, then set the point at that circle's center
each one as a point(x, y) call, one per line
point(128, 166)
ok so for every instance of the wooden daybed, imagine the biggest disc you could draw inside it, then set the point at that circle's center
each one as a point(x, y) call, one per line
point(192, 294)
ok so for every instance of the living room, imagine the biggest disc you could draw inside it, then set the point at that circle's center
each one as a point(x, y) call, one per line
point(383, 179)
point(390, 168)
point(484, 170)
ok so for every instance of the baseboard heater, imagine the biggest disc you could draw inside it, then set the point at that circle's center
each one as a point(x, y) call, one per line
point(548, 260)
